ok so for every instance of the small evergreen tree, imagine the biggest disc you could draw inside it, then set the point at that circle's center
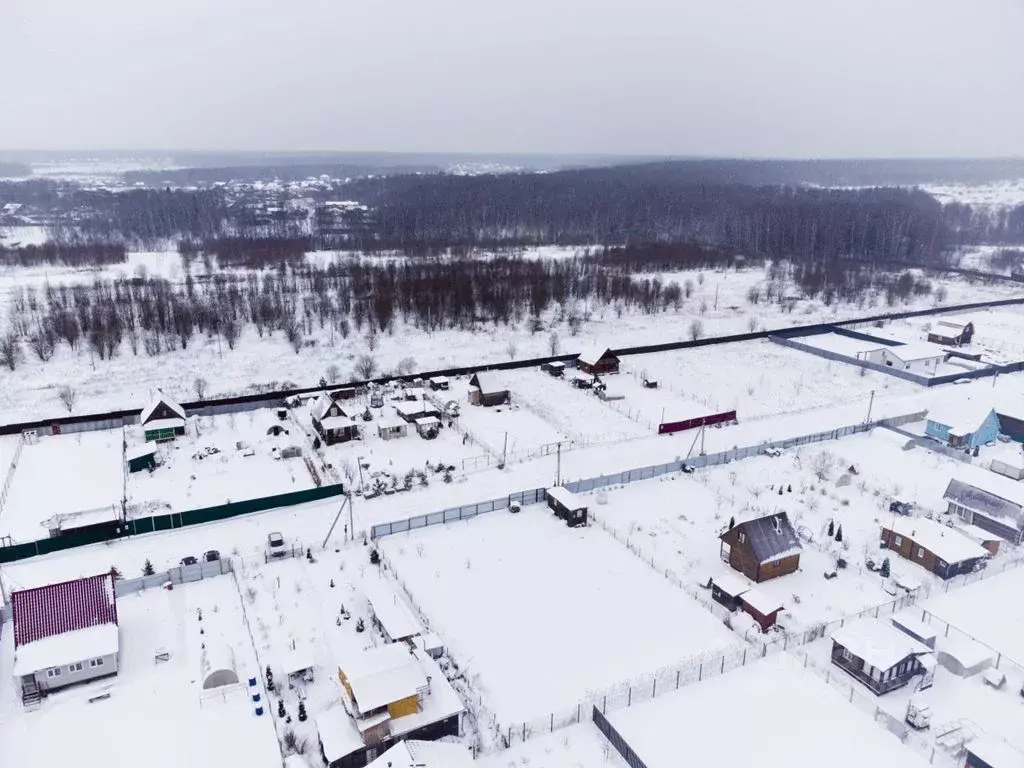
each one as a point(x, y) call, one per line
point(789, 489)
point(147, 568)
point(780, 490)
point(374, 557)
point(280, 708)
point(839, 532)
point(732, 523)
point(302, 711)
point(115, 573)
point(885, 568)
point(831, 528)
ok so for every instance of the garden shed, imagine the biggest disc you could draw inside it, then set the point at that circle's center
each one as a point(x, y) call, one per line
point(567, 505)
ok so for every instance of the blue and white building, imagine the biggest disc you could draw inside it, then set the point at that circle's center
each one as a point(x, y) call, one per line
point(963, 423)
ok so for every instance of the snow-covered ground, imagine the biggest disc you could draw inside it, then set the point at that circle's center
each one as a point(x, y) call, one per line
point(770, 705)
point(578, 746)
point(157, 713)
point(993, 196)
point(998, 333)
point(61, 474)
point(128, 380)
point(539, 615)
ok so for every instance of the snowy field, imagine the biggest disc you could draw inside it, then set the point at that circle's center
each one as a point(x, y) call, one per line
point(998, 333)
point(205, 467)
point(62, 474)
point(156, 714)
point(578, 746)
point(651, 407)
point(540, 615)
point(766, 705)
point(994, 196)
point(128, 380)
point(577, 413)
point(759, 378)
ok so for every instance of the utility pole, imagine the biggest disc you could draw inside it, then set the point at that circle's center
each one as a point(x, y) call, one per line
point(351, 530)
point(871, 402)
point(558, 467)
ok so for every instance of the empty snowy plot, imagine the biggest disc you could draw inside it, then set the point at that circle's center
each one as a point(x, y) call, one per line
point(540, 615)
point(59, 475)
point(760, 378)
point(738, 714)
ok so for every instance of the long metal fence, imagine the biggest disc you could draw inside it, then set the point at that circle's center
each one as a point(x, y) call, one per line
point(536, 495)
point(620, 745)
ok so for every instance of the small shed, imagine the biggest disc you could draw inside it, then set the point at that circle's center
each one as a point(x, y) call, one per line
point(487, 388)
point(428, 427)
point(762, 606)
point(431, 644)
point(439, 383)
point(583, 381)
point(555, 368)
point(964, 657)
point(726, 589)
point(915, 628)
point(567, 506)
point(141, 457)
point(391, 427)
point(988, 752)
point(951, 333)
point(390, 615)
point(598, 361)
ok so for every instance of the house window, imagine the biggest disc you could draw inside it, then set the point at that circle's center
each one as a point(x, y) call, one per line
point(95, 663)
point(54, 672)
point(742, 537)
point(776, 563)
point(920, 552)
point(76, 667)
point(898, 541)
point(847, 656)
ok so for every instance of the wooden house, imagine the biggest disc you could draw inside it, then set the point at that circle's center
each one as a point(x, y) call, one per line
point(935, 547)
point(64, 633)
point(598, 361)
point(991, 503)
point(332, 422)
point(951, 333)
point(439, 383)
point(555, 368)
point(162, 419)
point(727, 588)
point(762, 606)
point(393, 693)
point(487, 388)
point(880, 656)
point(428, 427)
point(392, 427)
point(417, 408)
point(919, 357)
point(567, 506)
point(762, 549)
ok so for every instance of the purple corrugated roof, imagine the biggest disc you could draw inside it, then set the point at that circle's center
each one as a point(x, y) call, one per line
point(65, 607)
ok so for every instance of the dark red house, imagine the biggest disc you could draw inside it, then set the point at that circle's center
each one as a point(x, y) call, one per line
point(598, 361)
point(762, 549)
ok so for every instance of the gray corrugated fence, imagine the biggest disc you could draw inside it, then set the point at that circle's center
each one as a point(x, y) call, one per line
point(615, 739)
point(536, 495)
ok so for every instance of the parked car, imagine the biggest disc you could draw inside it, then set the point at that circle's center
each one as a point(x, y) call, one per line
point(900, 507)
point(188, 560)
point(773, 452)
point(275, 545)
point(211, 556)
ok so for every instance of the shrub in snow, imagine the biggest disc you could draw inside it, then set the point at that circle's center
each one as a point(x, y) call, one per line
point(114, 572)
point(147, 568)
point(831, 528)
point(885, 569)
point(374, 557)
point(359, 625)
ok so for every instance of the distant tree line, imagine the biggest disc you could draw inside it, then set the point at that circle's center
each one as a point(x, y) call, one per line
point(66, 254)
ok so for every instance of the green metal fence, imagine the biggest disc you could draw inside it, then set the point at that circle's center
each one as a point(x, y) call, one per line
point(156, 523)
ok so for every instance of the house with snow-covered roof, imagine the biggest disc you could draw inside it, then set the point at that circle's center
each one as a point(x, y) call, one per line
point(598, 361)
point(162, 419)
point(424, 754)
point(488, 388)
point(935, 547)
point(761, 549)
point(991, 503)
point(967, 422)
point(918, 357)
point(64, 633)
point(391, 693)
point(880, 656)
point(331, 421)
point(951, 333)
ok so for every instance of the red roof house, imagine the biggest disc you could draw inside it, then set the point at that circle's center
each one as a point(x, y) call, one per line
point(65, 633)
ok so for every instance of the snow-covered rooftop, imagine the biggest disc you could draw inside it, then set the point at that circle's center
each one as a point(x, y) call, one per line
point(941, 540)
point(138, 451)
point(593, 355)
point(490, 383)
point(963, 415)
point(384, 675)
point(339, 735)
point(172, 423)
point(990, 494)
point(336, 422)
point(997, 753)
point(949, 325)
point(424, 754)
point(917, 350)
point(761, 601)
point(881, 645)
point(566, 498)
point(147, 412)
point(55, 609)
point(396, 618)
point(731, 583)
point(66, 648)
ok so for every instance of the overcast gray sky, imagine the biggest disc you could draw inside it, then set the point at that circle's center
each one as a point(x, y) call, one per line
point(797, 78)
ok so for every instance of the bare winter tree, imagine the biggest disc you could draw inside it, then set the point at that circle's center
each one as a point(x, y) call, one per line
point(199, 386)
point(67, 397)
point(333, 373)
point(696, 329)
point(553, 343)
point(366, 366)
point(406, 366)
point(10, 350)
point(231, 331)
point(511, 348)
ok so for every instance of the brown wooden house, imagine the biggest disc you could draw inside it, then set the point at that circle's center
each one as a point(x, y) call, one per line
point(763, 607)
point(936, 547)
point(598, 361)
point(162, 419)
point(486, 388)
point(331, 421)
point(762, 549)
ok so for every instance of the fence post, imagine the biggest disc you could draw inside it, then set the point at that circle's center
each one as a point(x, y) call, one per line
point(578, 706)
point(744, 657)
point(700, 672)
point(722, 670)
point(629, 698)
point(679, 671)
point(654, 687)
point(552, 726)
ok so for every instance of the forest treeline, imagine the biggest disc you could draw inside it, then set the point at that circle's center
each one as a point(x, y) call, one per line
point(369, 297)
point(618, 205)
